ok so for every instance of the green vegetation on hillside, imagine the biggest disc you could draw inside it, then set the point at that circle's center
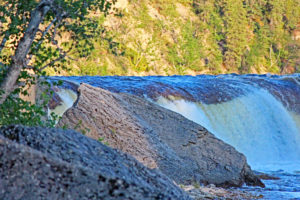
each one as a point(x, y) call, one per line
point(165, 37)
point(139, 37)
point(147, 37)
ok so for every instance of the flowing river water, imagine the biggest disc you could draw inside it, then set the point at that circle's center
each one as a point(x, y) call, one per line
point(257, 114)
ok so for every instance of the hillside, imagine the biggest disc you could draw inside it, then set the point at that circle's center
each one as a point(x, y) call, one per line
point(165, 37)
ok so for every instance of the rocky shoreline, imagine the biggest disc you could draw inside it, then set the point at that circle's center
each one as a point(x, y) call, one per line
point(41, 163)
point(213, 192)
point(152, 153)
point(158, 138)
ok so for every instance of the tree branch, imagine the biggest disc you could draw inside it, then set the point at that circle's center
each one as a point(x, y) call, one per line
point(41, 39)
point(2, 45)
point(62, 53)
point(62, 56)
point(45, 32)
point(37, 16)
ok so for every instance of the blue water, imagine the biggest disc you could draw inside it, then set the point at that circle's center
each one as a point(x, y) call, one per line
point(257, 114)
point(287, 187)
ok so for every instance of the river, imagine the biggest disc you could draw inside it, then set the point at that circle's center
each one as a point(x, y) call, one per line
point(257, 114)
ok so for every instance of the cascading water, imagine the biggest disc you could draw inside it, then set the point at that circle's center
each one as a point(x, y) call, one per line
point(256, 124)
point(68, 97)
point(257, 114)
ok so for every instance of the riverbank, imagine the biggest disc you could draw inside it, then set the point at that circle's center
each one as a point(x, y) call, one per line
point(213, 192)
point(235, 101)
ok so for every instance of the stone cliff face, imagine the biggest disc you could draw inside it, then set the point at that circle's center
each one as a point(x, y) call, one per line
point(183, 150)
point(39, 163)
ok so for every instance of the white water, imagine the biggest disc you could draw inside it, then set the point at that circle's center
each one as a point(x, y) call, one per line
point(257, 125)
point(260, 127)
point(68, 98)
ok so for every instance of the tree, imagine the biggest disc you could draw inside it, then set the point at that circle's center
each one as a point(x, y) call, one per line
point(237, 33)
point(36, 35)
point(211, 29)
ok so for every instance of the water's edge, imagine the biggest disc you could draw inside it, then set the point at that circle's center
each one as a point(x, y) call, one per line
point(258, 115)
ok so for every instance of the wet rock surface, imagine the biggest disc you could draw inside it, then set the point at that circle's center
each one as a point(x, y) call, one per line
point(264, 176)
point(39, 163)
point(213, 192)
point(183, 150)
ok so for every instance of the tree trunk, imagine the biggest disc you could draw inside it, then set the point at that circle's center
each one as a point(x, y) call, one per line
point(19, 59)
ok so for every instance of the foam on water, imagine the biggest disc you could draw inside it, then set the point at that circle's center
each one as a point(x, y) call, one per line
point(260, 127)
point(68, 98)
point(256, 124)
point(257, 114)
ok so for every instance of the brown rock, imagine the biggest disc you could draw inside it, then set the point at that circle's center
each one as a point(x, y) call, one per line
point(265, 176)
point(212, 192)
point(158, 138)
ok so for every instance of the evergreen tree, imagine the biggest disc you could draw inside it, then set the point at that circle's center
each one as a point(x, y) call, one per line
point(236, 33)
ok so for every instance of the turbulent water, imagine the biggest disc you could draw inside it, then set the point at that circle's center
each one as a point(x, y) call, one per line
point(257, 114)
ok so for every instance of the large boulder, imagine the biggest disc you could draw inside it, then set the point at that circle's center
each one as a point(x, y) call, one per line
point(158, 138)
point(40, 163)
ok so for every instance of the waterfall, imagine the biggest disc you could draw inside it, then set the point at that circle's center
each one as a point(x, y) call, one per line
point(68, 97)
point(256, 124)
point(259, 115)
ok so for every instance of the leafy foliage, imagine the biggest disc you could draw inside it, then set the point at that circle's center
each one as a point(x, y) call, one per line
point(53, 30)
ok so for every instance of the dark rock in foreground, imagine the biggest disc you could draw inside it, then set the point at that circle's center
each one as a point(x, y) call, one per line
point(39, 163)
point(158, 138)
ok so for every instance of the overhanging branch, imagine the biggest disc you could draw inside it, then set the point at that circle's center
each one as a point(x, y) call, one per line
point(62, 56)
point(18, 60)
point(44, 33)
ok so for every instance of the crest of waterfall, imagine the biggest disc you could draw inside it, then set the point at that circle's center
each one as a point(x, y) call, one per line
point(257, 114)
point(256, 124)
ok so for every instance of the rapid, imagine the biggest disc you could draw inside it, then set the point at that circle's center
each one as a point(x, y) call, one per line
point(259, 115)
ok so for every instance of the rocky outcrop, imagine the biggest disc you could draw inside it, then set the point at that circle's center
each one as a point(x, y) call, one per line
point(158, 138)
point(39, 163)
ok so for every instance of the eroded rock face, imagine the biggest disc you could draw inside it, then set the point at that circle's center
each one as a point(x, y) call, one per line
point(158, 138)
point(39, 163)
